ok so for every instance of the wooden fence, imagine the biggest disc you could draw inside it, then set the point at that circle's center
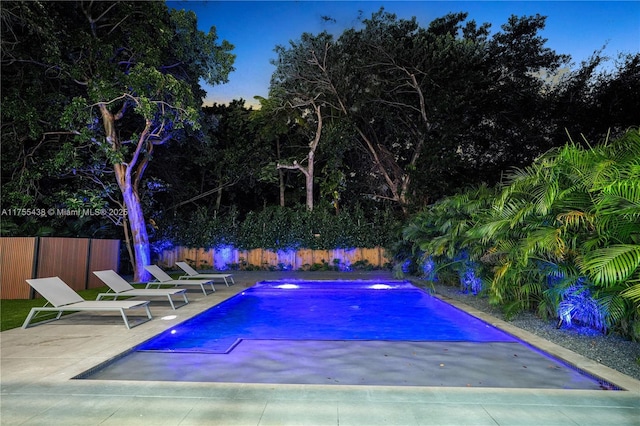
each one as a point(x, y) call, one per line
point(71, 259)
point(223, 258)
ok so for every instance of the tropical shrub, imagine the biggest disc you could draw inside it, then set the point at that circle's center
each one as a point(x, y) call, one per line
point(437, 239)
point(561, 236)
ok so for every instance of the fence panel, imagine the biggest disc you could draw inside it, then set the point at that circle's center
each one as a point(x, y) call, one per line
point(287, 259)
point(17, 260)
point(105, 254)
point(322, 256)
point(168, 258)
point(189, 254)
point(373, 255)
point(254, 257)
point(225, 256)
point(296, 259)
point(66, 258)
point(304, 258)
point(71, 259)
point(270, 258)
point(346, 257)
point(205, 258)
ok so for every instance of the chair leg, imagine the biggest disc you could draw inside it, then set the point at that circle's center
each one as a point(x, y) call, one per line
point(126, 320)
point(146, 307)
point(26, 322)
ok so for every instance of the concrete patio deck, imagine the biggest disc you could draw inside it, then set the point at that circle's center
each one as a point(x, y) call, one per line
point(37, 366)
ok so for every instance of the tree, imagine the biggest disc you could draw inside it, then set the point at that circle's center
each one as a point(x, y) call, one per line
point(32, 98)
point(511, 119)
point(134, 85)
point(300, 84)
point(598, 99)
point(273, 129)
point(434, 108)
point(398, 76)
point(463, 107)
point(219, 165)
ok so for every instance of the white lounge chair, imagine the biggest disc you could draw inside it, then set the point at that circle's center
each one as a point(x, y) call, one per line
point(118, 286)
point(63, 298)
point(162, 278)
point(193, 274)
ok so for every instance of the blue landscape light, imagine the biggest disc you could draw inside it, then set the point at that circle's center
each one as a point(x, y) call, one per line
point(469, 280)
point(406, 266)
point(429, 269)
point(287, 259)
point(578, 305)
point(223, 256)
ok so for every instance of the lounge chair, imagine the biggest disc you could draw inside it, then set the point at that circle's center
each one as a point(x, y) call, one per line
point(193, 274)
point(63, 298)
point(118, 286)
point(162, 278)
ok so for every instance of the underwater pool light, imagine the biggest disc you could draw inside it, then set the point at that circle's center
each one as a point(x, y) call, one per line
point(288, 286)
point(380, 287)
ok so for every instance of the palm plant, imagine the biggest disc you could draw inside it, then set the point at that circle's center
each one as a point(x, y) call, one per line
point(527, 232)
point(568, 226)
point(561, 236)
point(439, 234)
point(612, 258)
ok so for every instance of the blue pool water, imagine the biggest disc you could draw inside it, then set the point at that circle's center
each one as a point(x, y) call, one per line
point(325, 310)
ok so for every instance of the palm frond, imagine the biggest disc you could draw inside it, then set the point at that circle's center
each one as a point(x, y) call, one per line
point(545, 241)
point(612, 265)
point(633, 292)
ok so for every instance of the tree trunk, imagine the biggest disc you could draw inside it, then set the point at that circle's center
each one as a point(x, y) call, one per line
point(282, 192)
point(139, 236)
point(218, 202)
point(130, 196)
point(308, 171)
point(309, 180)
point(280, 175)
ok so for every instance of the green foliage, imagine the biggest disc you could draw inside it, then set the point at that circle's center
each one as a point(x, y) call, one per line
point(440, 233)
point(279, 228)
point(115, 87)
point(561, 236)
point(424, 102)
point(317, 229)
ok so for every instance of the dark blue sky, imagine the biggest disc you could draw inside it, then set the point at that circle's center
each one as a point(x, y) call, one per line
point(577, 28)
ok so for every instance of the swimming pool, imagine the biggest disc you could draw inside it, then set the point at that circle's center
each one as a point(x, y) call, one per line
point(325, 310)
point(341, 332)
